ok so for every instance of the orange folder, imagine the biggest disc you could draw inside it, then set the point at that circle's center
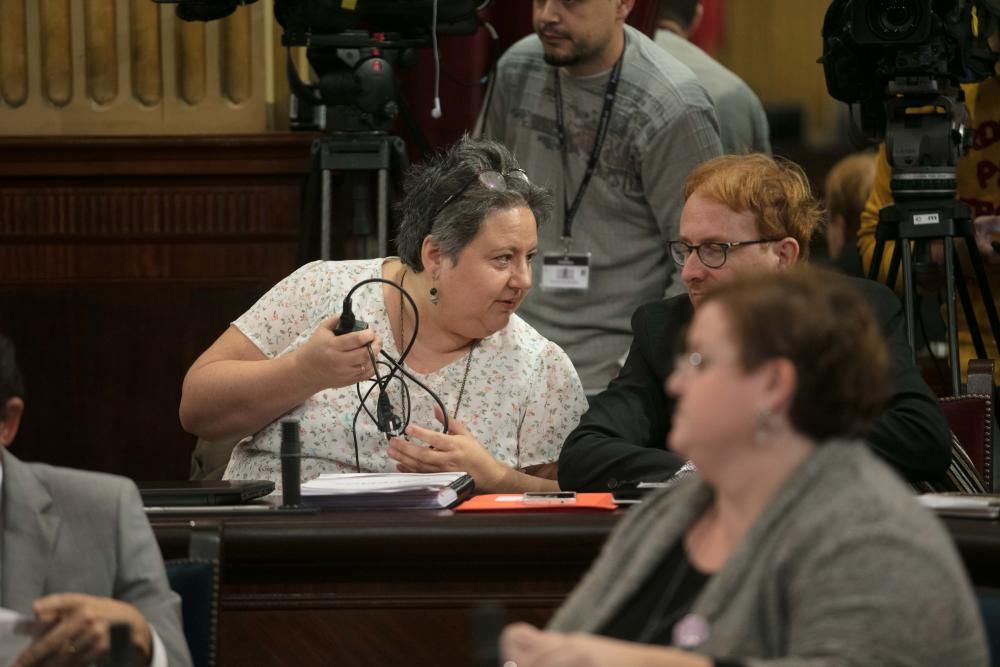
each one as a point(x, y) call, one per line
point(504, 502)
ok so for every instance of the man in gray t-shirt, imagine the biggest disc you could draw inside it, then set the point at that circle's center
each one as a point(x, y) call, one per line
point(742, 121)
point(660, 124)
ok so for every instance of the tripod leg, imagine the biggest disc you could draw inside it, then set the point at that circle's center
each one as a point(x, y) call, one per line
point(890, 278)
point(949, 277)
point(876, 258)
point(970, 314)
point(908, 288)
point(325, 213)
point(383, 212)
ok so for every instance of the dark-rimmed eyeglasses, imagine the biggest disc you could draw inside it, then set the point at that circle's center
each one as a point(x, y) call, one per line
point(491, 179)
point(713, 254)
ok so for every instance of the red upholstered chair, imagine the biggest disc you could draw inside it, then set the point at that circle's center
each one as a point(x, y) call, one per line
point(971, 420)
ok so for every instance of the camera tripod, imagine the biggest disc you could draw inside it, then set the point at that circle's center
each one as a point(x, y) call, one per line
point(359, 156)
point(902, 222)
point(925, 210)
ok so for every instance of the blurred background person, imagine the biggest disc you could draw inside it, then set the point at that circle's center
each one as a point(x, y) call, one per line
point(793, 544)
point(743, 124)
point(845, 191)
point(599, 114)
point(78, 554)
point(466, 239)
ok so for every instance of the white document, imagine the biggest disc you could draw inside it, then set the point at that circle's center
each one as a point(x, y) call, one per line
point(331, 484)
point(962, 505)
point(394, 490)
point(16, 633)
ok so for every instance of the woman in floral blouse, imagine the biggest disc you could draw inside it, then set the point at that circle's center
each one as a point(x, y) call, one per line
point(466, 240)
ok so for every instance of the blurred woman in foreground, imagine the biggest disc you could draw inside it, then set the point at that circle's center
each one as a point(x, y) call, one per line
point(794, 545)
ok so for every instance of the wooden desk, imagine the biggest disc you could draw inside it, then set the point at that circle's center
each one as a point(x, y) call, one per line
point(401, 588)
point(385, 588)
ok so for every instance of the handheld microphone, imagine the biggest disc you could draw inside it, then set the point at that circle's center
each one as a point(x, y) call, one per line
point(291, 464)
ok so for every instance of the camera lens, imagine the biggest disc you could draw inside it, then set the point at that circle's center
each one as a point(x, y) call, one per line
point(893, 20)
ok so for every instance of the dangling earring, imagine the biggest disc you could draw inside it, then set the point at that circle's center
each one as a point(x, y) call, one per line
point(763, 425)
point(434, 296)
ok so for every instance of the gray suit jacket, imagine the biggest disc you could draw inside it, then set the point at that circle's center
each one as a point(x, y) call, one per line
point(69, 531)
point(842, 569)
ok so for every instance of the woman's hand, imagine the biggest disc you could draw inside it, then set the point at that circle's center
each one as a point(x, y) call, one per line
point(456, 451)
point(81, 630)
point(525, 646)
point(328, 361)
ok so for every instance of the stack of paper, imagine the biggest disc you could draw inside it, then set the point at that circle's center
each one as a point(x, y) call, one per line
point(962, 504)
point(16, 633)
point(378, 491)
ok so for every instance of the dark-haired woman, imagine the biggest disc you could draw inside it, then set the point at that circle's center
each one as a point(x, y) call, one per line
point(466, 239)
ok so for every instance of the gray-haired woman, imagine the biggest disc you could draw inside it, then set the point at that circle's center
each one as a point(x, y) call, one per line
point(466, 239)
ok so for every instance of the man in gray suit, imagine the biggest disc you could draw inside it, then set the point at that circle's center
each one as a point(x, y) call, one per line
point(78, 554)
point(742, 122)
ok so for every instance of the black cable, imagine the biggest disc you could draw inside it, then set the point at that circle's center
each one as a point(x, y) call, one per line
point(397, 372)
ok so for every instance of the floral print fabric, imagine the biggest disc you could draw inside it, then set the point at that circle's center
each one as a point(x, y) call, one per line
point(522, 396)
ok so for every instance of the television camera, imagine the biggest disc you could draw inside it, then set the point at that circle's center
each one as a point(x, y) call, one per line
point(900, 64)
point(354, 47)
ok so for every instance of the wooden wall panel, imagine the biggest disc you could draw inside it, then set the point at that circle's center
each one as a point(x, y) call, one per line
point(145, 60)
point(128, 67)
point(101, 47)
point(13, 52)
point(773, 45)
point(121, 260)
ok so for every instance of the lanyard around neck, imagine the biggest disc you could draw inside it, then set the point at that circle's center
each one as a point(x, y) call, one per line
point(602, 130)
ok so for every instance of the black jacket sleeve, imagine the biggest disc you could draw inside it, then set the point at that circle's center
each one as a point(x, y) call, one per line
point(622, 437)
point(911, 434)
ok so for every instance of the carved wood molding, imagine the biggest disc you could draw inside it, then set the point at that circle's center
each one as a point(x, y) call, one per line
point(120, 209)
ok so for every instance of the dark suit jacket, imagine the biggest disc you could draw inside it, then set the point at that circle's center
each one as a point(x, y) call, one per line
point(622, 437)
point(69, 531)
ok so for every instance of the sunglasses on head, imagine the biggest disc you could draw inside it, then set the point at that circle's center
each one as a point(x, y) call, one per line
point(491, 179)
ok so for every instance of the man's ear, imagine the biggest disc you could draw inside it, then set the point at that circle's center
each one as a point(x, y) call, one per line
point(623, 9)
point(11, 420)
point(699, 14)
point(787, 250)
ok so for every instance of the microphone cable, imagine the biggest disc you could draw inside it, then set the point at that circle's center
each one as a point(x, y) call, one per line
point(385, 418)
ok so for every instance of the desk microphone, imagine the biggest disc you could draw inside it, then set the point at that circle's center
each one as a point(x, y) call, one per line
point(291, 464)
point(489, 621)
point(120, 651)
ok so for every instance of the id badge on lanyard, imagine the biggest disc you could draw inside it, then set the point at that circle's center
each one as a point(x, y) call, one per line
point(571, 270)
point(566, 270)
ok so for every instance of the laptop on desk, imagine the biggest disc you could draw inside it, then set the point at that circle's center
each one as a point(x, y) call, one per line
point(189, 493)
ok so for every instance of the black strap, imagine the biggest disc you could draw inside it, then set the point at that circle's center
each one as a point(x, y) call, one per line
point(602, 130)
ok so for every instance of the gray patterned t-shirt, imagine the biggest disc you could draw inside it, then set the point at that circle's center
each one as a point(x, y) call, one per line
point(663, 124)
